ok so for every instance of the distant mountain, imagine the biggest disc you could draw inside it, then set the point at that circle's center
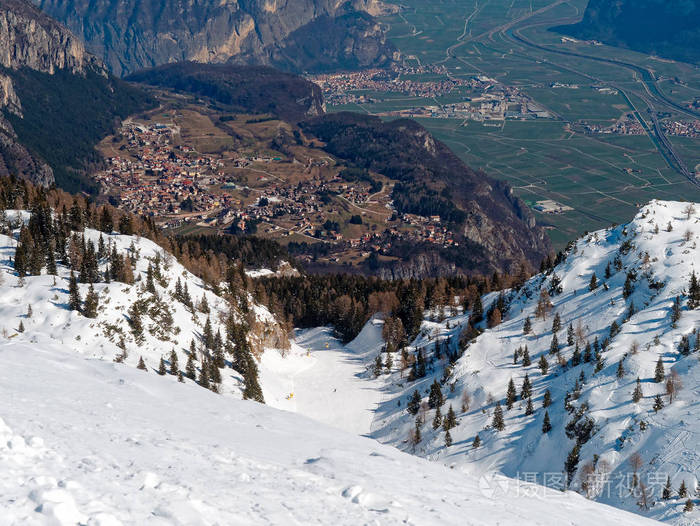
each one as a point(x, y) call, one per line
point(295, 35)
point(56, 100)
point(669, 28)
point(243, 89)
point(493, 228)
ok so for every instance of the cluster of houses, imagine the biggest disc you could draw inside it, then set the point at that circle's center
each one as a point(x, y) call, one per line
point(683, 128)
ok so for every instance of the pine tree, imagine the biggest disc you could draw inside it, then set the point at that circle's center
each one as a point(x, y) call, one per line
point(570, 335)
point(20, 328)
point(556, 323)
point(658, 403)
point(526, 357)
point(693, 292)
point(204, 375)
point(92, 301)
point(682, 490)
point(414, 403)
point(571, 463)
point(174, 367)
point(587, 354)
point(516, 354)
point(214, 372)
point(593, 283)
point(637, 393)
point(546, 424)
point(436, 398)
point(527, 326)
point(608, 272)
point(554, 346)
point(675, 311)
point(389, 362)
point(689, 506)
point(448, 438)
point(74, 301)
point(477, 442)
point(498, 423)
point(547, 399)
point(528, 408)
point(620, 370)
point(666, 493)
point(208, 335)
point(142, 364)
point(450, 420)
point(526, 390)
point(437, 420)
point(416, 433)
point(378, 365)
point(576, 357)
point(659, 372)
point(161, 367)
point(511, 394)
point(190, 370)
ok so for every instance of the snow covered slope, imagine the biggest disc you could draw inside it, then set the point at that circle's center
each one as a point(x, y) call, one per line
point(91, 442)
point(655, 255)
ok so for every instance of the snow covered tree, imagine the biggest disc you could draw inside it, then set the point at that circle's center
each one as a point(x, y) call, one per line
point(161, 367)
point(593, 284)
point(378, 365)
point(526, 390)
point(659, 372)
point(570, 335)
point(666, 492)
point(527, 326)
point(174, 367)
point(190, 370)
point(477, 441)
point(546, 424)
point(498, 423)
point(437, 420)
point(554, 346)
point(547, 399)
point(511, 394)
point(142, 364)
point(556, 323)
point(450, 420)
point(693, 292)
point(436, 398)
point(682, 490)
point(92, 301)
point(74, 301)
point(637, 394)
point(414, 403)
point(528, 408)
point(658, 403)
point(526, 357)
point(448, 438)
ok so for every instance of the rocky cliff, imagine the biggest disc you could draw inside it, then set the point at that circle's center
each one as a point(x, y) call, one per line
point(137, 34)
point(46, 75)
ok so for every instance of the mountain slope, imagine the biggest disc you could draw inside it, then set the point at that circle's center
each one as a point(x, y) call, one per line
point(629, 318)
point(92, 442)
point(132, 35)
point(667, 28)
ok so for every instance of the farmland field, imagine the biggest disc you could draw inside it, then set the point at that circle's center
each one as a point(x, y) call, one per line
point(603, 177)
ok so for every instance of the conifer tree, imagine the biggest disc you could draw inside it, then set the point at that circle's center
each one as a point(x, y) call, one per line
point(547, 399)
point(675, 311)
point(180, 377)
point(20, 328)
point(682, 490)
point(214, 372)
point(637, 393)
point(666, 493)
point(450, 420)
point(92, 301)
point(528, 408)
point(389, 362)
point(608, 272)
point(659, 372)
point(414, 403)
point(208, 335)
point(571, 463)
point(161, 367)
point(498, 423)
point(51, 263)
point(544, 365)
point(620, 370)
point(587, 354)
point(174, 366)
point(527, 326)
point(204, 375)
point(477, 442)
point(378, 365)
point(448, 438)
point(570, 335)
point(526, 357)
point(190, 370)
point(526, 390)
point(516, 354)
point(693, 292)
point(576, 357)
point(554, 346)
point(437, 420)
point(511, 394)
point(74, 301)
point(416, 433)
point(546, 424)
point(658, 403)
point(593, 283)
point(556, 323)
point(436, 398)
point(689, 506)
point(142, 364)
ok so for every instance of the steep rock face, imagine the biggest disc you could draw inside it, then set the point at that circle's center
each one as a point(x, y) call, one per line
point(665, 27)
point(136, 34)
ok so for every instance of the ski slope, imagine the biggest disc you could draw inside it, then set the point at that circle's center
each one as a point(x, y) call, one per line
point(90, 442)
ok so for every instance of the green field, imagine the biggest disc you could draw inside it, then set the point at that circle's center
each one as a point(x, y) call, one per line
point(603, 177)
